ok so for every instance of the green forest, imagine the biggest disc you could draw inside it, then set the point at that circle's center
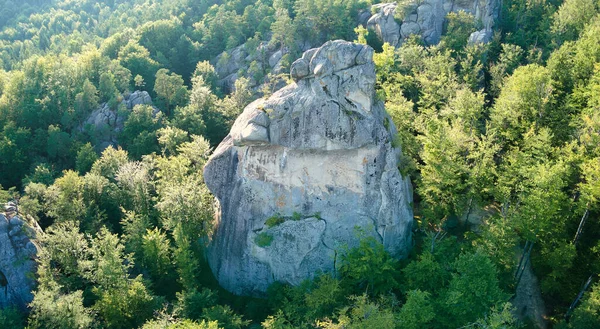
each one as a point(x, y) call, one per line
point(501, 141)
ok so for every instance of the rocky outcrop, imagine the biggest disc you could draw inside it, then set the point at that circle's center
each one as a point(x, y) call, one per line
point(17, 262)
point(105, 123)
point(301, 169)
point(384, 24)
point(394, 22)
point(240, 61)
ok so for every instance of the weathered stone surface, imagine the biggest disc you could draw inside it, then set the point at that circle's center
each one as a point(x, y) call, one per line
point(319, 154)
point(481, 36)
point(231, 63)
point(17, 262)
point(105, 123)
point(426, 18)
point(384, 24)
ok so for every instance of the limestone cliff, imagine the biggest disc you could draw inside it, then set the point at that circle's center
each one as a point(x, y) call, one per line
point(301, 169)
point(17, 262)
point(394, 22)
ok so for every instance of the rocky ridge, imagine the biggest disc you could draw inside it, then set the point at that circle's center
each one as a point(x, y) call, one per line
point(301, 169)
point(17, 261)
point(426, 18)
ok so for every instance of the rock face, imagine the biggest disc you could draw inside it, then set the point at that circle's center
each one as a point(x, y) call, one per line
point(426, 18)
point(17, 262)
point(106, 123)
point(384, 24)
point(238, 61)
point(301, 169)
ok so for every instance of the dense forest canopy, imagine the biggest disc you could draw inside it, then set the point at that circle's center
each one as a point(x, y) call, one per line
point(501, 141)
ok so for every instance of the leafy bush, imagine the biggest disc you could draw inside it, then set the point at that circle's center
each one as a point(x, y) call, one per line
point(274, 220)
point(263, 239)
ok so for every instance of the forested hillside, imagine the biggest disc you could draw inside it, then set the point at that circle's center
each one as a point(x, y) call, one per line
point(501, 141)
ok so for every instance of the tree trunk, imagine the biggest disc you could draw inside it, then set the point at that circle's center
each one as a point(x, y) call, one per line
point(579, 296)
point(581, 224)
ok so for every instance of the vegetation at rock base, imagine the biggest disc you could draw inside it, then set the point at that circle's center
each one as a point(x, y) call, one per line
point(501, 141)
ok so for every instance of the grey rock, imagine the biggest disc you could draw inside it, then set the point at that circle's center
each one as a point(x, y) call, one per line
point(409, 28)
point(300, 69)
point(481, 36)
point(138, 98)
point(384, 24)
point(426, 18)
point(275, 58)
point(237, 59)
point(16, 221)
point(318, 153)
point(228, 83)
point(17, 262)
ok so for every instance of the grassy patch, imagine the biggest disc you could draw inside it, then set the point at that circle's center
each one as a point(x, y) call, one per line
point(263, 239)
point(274, 220)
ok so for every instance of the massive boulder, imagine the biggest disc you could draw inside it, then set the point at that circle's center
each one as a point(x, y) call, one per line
point(17, 262)
point(394, 22)
point(301, 170)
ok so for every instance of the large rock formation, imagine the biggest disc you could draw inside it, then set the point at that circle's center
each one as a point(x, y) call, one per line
point(394, 22)
point(17, 262)
point(301, 169)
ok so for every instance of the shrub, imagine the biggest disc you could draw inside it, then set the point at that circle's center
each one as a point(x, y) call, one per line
point(274, 220)
point(263, 239)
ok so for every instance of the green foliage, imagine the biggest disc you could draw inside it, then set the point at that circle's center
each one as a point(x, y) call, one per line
point(282, 28)
point(587, 314)
point(64, 198)
point(425, 275)
point(156, 258)
point(368, 267)
point(459, 25)
point(500, 138)
point(499, 318)
point(263, 239)
point(191, 303)
point(169, 138)
point(42, 174)
point(110, 161)
point(362, 315)
point(86, 156)
point(53, 310)
point(225, 316)
point(525, 100)
point(139, 135)
point(126, 307)
point(11, 318)
point(184, 324)
point(107, 87)
point(571, 18)
point(418, 310)
point(169, 87)
point(507, 62)
point(274, 220)
point(473, 289)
